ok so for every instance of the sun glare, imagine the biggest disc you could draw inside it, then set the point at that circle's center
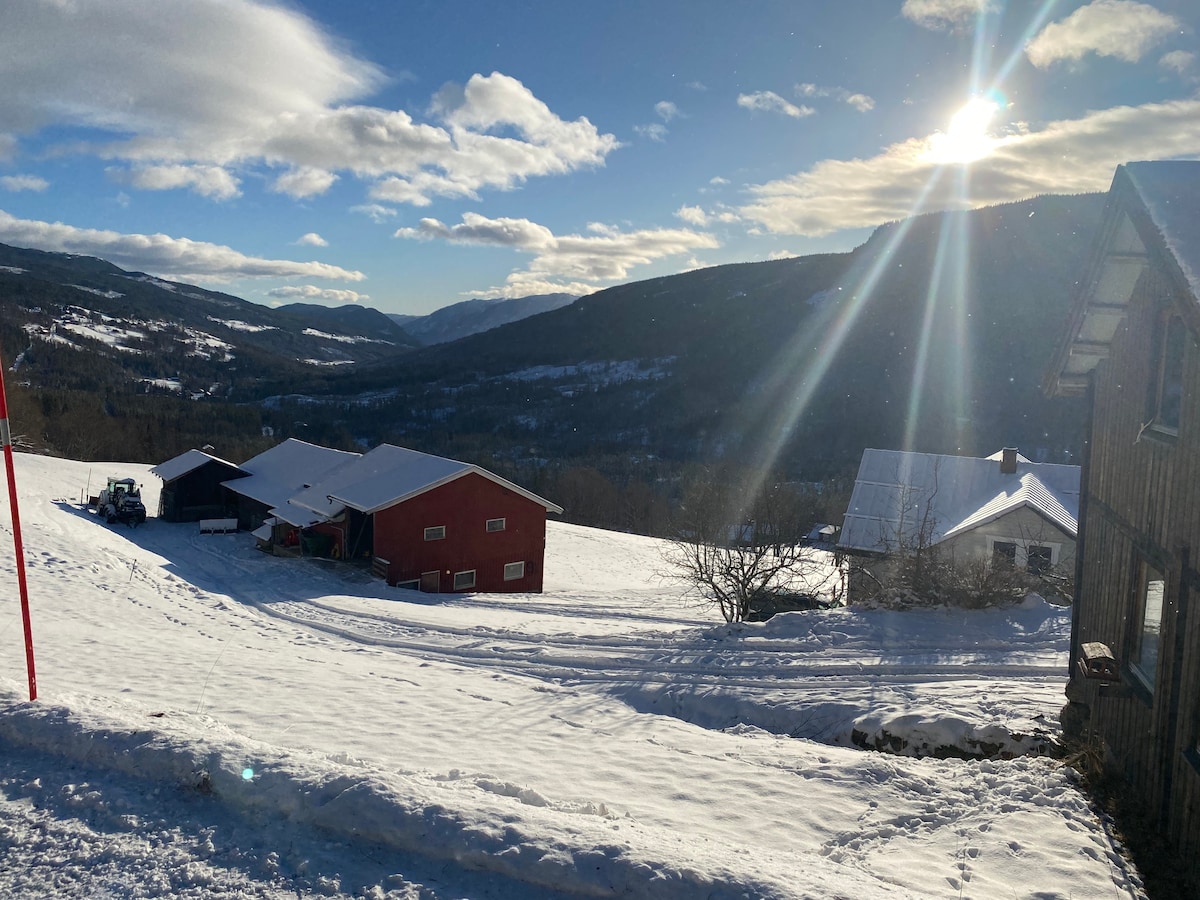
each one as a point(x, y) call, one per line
point(966, 140)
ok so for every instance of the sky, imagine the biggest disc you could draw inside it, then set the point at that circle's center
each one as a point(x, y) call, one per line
point(217, 723)
point(408, 155)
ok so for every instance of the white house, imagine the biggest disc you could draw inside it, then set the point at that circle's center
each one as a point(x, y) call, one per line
point(1003, 508)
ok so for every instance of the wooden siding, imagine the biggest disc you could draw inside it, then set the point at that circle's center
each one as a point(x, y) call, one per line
point(197, 494)
point(1143, 503)
point(464, 505)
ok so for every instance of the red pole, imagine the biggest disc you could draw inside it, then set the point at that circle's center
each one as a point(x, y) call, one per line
point(18, 545)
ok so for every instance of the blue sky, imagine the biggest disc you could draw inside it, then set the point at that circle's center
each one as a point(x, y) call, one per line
point(407, 155)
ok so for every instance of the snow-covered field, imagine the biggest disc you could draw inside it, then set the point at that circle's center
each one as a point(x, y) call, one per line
point(214, 722)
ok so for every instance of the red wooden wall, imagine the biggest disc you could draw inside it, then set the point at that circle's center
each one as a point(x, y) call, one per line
point(463, 506)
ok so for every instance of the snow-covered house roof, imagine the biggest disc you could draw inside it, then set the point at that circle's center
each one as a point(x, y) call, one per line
point(180, 465)
point(285, 469)
point(1152, 218)
point(389, 475)
point(895, 488)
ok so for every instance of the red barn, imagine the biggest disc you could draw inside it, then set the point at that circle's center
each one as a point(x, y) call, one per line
point(432, 523)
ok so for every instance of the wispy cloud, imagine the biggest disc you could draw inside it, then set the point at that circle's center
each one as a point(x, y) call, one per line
point(945, 15)
point(312, 292)
point(693, 215)
point(769, 101)
point(861, 102)
point(655, 131)
point(213, 182)
point(161, 254)
point(312, 239)
point(1179, 61)
point(222, 89)
point(1123, 29)
point(572, 263)
point(1064, 157)
point(666, 110)
point(376, 212)
point(23, 183)
point(304, 181)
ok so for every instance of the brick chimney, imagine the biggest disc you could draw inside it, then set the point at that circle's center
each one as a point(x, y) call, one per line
point(1008, 461)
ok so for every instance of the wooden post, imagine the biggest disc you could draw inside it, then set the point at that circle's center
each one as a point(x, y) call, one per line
point(18, 545)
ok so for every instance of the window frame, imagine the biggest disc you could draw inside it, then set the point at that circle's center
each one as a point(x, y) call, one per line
point(430, 536)
point(1145, 677)
point(464, 587)
point(508, 577)
point(503, 520)
point(1166, 390)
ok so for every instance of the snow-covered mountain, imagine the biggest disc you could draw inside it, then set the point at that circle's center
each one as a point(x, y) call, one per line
point(214, 722)
point(474, 316)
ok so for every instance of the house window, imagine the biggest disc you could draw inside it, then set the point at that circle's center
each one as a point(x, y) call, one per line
point(464, 581)
point(496, 524)
point(513, 571)
point(1038, 559)
point(1004, 553)
point(413, 584)
point(1168, 394)
point(435, 532)
point(1151, 588)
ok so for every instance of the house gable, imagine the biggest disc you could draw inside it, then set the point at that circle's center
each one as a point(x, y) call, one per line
point(445, 529)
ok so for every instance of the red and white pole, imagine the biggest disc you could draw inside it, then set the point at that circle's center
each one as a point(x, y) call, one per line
point(18, 545)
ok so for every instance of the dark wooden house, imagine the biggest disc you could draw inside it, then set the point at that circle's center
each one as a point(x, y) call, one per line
point(1132, 347)
point(192, 487)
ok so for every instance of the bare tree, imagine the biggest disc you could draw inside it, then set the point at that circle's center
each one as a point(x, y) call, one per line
point(739, 545)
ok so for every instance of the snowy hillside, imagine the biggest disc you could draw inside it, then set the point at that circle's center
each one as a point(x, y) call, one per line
point(214, 722)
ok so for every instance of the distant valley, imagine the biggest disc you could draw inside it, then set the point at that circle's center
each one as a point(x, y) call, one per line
point(933, 334)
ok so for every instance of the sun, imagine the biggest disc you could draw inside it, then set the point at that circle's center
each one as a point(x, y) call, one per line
point(966, 140)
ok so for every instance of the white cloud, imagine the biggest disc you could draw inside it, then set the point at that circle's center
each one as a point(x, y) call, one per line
point(237, 85)
point(376, 212)
point(573, 263)
point(304, 181)
point(693, 215)
point(717, 181)
point(655, 131)
point(1178, 61)
point(312, 292)
point(207, 181)
point(1065, 157)
point(1123, 29)
point(160, 253)
point(945, 15)
point(666, 110)
point(861, 102)
point(780, 254)
point(769, 101)
point(23, 183)
point(312, 239)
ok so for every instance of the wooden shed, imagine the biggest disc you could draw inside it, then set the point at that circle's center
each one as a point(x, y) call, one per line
point(192, 487)
point(1132, 345)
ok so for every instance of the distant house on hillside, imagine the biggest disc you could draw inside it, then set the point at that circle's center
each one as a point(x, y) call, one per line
point(422, 521)
point(1132, 345)
point(1003, 508)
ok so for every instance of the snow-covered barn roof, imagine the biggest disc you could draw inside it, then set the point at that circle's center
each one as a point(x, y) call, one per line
point(962, 492)
point(389, 475)
point(180, 465)
point(285, 469)
point(1152, 218)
